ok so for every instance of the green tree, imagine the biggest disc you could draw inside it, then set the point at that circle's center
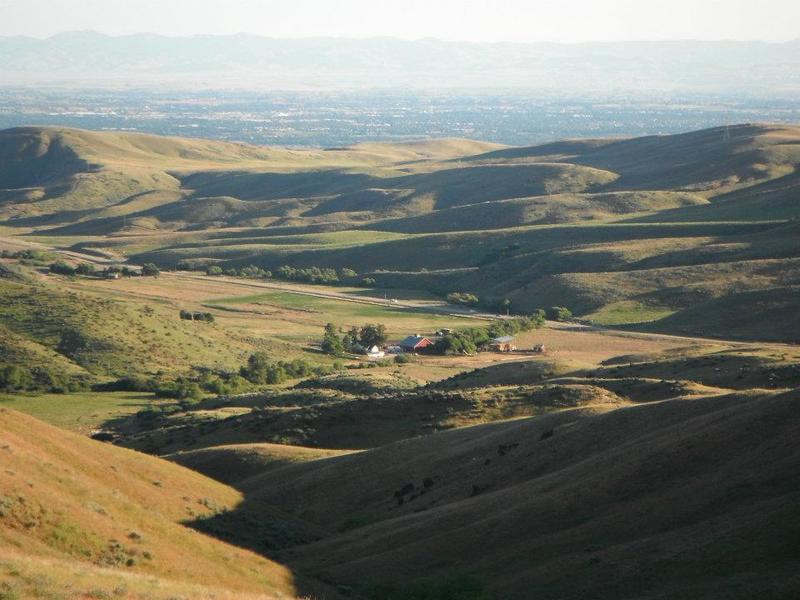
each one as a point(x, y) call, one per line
point(350, 339)
point(331, 342)
point(150, 270)
point(372, 335)
point(13, 377)
point(458, 342)
point(61, 268)
point(462, 298)
point(85, 269)
point(214, 270)
point(559, 313)
point(260, 369)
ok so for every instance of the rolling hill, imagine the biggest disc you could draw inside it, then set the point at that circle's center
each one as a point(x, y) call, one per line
point(622, 231)
point(699, 495)
point(614, 465)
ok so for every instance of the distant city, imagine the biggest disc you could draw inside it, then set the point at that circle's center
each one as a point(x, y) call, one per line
point(333, 119)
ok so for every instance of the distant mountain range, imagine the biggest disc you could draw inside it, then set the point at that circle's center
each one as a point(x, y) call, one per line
point(248, 61)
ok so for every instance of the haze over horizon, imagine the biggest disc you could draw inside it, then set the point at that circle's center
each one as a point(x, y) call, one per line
point(472, 21)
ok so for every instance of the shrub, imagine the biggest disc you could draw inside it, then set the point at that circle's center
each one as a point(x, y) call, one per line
point(462, 298)
point(33, 256)
point(187, 315)
point(15, 378)
point(402, 359)
point(559, 313)
point(261, 370)
point(180, 389)
point(254, 272)
point(368, 281)
point(61, 268)
point(214, 270)
point(129, 383)
point(85, 269)
point(218, 381)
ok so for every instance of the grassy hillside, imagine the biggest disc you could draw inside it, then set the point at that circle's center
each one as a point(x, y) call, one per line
point(364, 409)
point(235, 463)
point(82, 519)
point(623, 231)
point(700, 493)
point(609, 464)
point(76, 331)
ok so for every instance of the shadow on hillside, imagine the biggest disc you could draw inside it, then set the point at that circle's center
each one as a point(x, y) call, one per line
point(125, 423)
point(268, 531)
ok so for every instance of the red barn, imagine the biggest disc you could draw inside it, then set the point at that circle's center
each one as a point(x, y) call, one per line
point(414, 343)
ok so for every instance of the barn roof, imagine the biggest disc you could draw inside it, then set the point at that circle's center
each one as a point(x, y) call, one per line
point(412, 340)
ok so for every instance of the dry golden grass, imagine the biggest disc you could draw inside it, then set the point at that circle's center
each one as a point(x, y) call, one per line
point(701, 494)
point(68, 498)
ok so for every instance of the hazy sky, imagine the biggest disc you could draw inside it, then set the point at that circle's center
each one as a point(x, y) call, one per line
point(473, 20)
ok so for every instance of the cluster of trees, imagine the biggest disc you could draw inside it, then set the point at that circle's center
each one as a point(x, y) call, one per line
point(305, 274)
point(188, 315)
point(354, 339)
point(121, 271)
point(150, 270)
point(60, 267)
point(187, 388)
point(15, 378)
point(462, 298)
point(559, 313)
point(467, 341)
point(250, 271)
point(36, 256)
point(190, 388)
point(260, 369)
point(314, 274)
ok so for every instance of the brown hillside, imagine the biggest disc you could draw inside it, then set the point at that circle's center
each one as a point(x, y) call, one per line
point(71, 506)
point(676, 499)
